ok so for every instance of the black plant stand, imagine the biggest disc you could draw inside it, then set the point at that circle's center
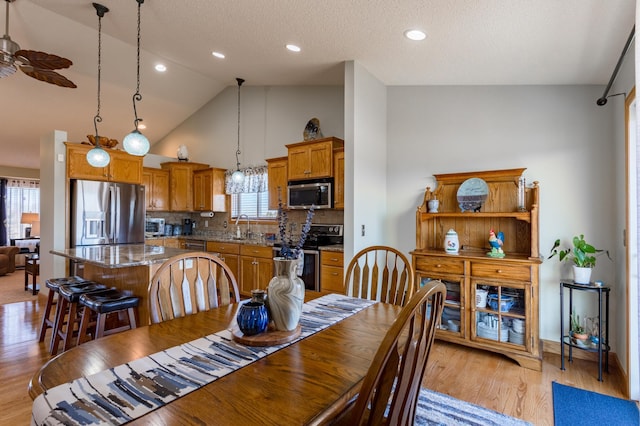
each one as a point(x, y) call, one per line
point(603, 340)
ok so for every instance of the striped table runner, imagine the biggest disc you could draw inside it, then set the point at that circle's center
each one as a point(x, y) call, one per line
point(131, 390)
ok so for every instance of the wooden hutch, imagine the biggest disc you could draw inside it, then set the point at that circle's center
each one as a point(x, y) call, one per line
point(511, 327)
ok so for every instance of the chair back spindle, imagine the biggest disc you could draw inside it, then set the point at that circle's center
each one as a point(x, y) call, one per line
point(190, 283)
point(380, 273)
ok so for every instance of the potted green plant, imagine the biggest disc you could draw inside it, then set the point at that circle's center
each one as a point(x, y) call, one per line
point(578, 332)
point(582, 255)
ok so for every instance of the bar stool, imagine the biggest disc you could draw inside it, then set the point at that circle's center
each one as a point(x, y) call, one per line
point(68, 304)
point(99, 305)
point(53, 284)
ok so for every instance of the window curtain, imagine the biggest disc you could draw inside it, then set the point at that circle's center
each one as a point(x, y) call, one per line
point(3, 212)
point(255, 180)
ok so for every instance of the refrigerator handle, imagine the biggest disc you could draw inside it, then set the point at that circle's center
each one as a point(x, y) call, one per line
point(117, 207)
point(111, 211)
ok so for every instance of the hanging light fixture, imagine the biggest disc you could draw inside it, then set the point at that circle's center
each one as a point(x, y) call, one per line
point(238, 176)
point(97, 156)
point(135, 143)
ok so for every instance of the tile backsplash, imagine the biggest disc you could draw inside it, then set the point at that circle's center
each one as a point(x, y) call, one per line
point(216, 224)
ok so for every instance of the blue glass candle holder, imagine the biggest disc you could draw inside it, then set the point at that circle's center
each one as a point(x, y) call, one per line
point(252, 318)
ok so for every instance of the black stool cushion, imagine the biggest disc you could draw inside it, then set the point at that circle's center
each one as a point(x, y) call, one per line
point(72, 292)
point(108, 301)
point(54, 283)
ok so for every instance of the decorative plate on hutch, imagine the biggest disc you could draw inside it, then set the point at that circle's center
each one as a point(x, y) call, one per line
point(472, 194)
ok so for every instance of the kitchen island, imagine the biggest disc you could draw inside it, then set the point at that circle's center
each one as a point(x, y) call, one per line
point(127, 267)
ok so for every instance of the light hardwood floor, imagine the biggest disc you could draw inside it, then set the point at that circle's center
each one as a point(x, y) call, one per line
point(486, 379)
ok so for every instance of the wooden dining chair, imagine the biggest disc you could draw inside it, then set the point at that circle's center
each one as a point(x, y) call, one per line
point(389, 392)
point(190, 283)
point(380, 273)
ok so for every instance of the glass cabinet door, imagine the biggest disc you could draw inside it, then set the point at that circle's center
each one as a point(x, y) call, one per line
point(500, 312)
point(453, 316)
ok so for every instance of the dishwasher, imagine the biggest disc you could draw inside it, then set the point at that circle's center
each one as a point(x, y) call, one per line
point(195, 245)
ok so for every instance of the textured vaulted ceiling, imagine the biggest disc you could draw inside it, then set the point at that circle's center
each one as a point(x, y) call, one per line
point(469, 42)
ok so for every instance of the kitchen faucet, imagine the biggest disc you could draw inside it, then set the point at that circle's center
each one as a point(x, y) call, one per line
point(238, 234)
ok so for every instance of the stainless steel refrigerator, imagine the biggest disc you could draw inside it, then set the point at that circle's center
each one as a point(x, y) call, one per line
point(106, 213)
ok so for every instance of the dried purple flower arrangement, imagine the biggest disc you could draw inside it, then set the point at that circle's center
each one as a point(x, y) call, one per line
point(286, 251)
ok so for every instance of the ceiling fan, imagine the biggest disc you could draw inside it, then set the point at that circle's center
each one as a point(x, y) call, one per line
point(39, 65)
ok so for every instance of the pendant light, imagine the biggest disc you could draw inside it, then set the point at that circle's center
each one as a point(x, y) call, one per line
point(135, 143)
point(238, 176)
point(97, 156)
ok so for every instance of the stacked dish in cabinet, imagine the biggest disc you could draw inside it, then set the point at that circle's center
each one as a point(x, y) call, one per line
point(503, 325)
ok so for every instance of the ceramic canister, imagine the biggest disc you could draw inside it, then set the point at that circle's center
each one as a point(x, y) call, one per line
point(451, 244)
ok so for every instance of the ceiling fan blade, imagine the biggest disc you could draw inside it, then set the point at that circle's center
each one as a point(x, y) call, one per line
point(42, 60)
point(47, 76)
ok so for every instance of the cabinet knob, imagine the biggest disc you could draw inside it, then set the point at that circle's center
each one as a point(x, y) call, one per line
point(498, 271)
point(438, 265)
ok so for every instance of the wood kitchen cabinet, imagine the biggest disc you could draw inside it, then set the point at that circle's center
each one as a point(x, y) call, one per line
point(156, 183)
point(332, 271)
point(181, 184)
point(492, 303)
point(122, 167)
point(208, 190)
point(338, 181)
point(230, 254)
point(174, 242)
point(278, 175)
point(312, 159)
point(256, 267)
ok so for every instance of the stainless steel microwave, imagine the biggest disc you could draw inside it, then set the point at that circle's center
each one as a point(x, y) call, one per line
point(316, 193)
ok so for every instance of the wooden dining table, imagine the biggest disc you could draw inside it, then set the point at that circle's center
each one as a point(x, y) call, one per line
point(307, 382)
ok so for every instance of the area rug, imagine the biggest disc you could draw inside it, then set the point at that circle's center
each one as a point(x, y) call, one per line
point(12, 288)
point(573, 406)
point(439, 409)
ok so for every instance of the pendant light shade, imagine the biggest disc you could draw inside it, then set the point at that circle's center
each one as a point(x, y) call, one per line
point(97, 156)
point(238, 176)
point(135, 143)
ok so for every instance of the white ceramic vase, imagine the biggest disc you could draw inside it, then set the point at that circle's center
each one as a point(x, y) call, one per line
point(286, 294)
point(581, 275)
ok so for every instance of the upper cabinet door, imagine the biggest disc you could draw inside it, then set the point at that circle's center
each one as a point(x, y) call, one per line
point(121, 168)
point(277, 172)
point(312, 159)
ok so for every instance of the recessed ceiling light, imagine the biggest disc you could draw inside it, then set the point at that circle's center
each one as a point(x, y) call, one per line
point(293, 48)
point(141, 126)
point(415, 35)
point(218, 54)
point(161, 68)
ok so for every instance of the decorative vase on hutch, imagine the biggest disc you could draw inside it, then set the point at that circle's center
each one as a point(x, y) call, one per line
point(286, 294)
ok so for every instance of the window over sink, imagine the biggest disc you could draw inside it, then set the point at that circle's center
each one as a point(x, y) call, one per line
point(254, 204)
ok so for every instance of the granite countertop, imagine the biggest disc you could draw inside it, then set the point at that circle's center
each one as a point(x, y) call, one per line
point(120, 256)
point(255, 242)
point(334, 247)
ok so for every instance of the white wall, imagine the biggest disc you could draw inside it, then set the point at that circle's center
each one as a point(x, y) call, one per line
point(624, 82)
point(366, 163)
point(53, 200)
point(270, 117)
point(557, 132)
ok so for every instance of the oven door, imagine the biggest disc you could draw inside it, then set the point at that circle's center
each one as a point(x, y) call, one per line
point(310, 270)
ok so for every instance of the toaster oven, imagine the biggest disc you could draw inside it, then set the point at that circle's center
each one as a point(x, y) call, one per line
point(153, 227)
